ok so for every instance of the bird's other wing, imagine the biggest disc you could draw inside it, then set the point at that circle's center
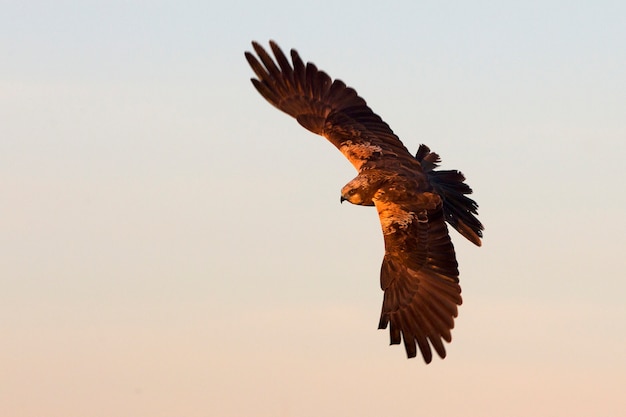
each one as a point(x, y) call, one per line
point(419, 275)
point(325, 106)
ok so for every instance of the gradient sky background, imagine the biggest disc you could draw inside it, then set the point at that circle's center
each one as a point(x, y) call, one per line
point(172, 245)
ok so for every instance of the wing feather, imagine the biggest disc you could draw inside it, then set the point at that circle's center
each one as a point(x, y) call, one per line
point(298, 70)
point(285, 67)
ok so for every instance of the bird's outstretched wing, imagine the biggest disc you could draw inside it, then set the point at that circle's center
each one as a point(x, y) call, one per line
point(326, 107)
point(419, 274)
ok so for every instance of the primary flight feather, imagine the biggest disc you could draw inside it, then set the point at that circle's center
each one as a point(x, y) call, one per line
point(419, 273)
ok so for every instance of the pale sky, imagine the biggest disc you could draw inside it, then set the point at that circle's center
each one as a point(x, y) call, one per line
point(172, 245)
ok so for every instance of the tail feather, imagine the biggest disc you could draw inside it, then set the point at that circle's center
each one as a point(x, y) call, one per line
point(459, 210)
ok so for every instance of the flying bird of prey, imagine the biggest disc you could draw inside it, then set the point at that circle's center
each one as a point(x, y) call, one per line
point(419, 273)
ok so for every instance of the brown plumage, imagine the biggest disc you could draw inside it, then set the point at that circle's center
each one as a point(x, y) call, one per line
point(419, 274)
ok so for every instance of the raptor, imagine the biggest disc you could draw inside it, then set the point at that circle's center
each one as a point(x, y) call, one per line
point(414, 199)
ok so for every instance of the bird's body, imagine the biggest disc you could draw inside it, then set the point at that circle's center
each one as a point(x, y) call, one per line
point(414, 201)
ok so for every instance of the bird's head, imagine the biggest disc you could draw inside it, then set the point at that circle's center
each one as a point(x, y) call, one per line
point(361, 190)
point(354, 196)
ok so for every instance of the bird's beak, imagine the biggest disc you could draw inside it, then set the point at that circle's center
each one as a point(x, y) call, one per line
point(341, 200)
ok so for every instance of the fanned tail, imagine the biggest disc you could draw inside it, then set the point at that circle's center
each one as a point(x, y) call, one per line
point(460, 211)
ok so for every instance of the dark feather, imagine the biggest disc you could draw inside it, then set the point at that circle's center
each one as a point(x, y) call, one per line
point(460, 211)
